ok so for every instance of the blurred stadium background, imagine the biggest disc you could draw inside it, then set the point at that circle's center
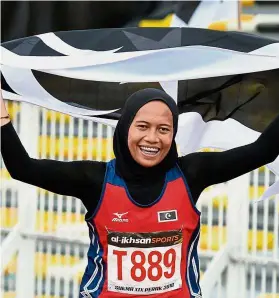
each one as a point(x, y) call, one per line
point(44, 238)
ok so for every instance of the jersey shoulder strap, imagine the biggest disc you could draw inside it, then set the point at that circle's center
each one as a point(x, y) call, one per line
point(112, 178)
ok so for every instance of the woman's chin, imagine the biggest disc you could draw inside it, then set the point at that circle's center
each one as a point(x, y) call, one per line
point(147, 162)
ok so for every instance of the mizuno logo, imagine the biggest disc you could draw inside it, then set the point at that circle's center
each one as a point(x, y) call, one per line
point(119, 216)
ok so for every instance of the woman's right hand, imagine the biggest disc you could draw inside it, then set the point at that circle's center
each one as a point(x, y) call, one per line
point(3, 110)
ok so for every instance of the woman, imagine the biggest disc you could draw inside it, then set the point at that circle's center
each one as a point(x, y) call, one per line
point(143, 223)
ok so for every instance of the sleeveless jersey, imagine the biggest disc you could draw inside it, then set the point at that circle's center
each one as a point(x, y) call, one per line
point(140, 251)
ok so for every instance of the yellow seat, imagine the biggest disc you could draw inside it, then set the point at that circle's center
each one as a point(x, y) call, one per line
point(217, 236)
point(13, 108)
point(101, 149)
point(43, 262)
point(56, 116)
point(164, 22)
point(9, 295)
point(9, 217)
point(4, 174)
point(46, 221)
point(248, 3)
point(222, 200)
point(224, 25)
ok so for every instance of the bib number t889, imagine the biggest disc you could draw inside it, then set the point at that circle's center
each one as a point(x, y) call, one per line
point(153, 265)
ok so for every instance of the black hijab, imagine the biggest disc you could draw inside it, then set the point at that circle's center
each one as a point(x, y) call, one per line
point(126, 167)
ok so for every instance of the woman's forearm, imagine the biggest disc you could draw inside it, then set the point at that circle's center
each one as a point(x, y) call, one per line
point(3, 111)
point(203, 169)
point(269, 141)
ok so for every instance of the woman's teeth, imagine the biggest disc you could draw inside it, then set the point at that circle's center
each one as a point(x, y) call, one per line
point(149, 150)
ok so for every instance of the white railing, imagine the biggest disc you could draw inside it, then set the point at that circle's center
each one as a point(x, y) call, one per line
point(239, 239)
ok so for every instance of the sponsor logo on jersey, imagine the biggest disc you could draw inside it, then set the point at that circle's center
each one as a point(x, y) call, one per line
point(154, 239)
point(119, 217)
point(170, 215)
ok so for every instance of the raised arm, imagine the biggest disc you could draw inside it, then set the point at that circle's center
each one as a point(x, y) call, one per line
point(77, 178)
point(203, 169)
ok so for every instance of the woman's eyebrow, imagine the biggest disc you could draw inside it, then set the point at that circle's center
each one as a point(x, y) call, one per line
point(165, 124)
point(146, 122)
point(142, 121)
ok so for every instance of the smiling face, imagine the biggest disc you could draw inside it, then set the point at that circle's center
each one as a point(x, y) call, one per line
point(151, 133)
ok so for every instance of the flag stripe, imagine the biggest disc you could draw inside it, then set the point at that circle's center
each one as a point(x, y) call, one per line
point(110, 39)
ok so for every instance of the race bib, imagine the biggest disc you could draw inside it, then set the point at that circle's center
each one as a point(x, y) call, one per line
point(144, 263)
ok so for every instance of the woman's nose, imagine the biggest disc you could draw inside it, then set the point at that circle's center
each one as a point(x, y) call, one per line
point(151, 136)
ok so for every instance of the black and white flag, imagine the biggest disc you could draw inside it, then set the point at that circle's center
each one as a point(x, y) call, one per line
point(225, 82)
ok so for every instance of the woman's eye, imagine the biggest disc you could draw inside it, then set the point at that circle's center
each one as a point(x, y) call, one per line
point(164, 130)
point(142, 126)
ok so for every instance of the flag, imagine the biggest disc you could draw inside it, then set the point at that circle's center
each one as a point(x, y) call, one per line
point(226, 82)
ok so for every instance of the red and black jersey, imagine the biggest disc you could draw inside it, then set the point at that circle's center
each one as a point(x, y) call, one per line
point(143, 250)
point(137, 250)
